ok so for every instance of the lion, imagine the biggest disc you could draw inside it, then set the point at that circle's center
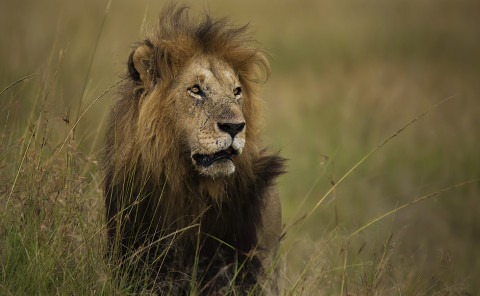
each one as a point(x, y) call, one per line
point(191, 198)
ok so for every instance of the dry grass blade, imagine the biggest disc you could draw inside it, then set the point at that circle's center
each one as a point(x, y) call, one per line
point(363, 159)
point(92, 58)
point(17, 81)
point(19, 170)
point(86, 110)
point(410, 204)
point(342, 288)
point(153, 243)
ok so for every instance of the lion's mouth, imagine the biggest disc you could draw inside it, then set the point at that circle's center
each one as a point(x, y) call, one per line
point(206, 160)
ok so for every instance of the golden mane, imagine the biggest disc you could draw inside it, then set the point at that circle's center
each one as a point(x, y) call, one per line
point(151, 187)
point(177, 39)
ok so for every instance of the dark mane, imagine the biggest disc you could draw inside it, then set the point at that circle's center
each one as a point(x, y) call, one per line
point(166, 222)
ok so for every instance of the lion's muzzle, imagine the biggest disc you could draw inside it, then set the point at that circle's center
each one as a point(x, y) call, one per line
point(216, 156)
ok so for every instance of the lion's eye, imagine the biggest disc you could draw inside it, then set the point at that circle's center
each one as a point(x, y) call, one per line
point(195, 91)
point(237, 91)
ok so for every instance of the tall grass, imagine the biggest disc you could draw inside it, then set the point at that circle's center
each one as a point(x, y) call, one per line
point(346, 76)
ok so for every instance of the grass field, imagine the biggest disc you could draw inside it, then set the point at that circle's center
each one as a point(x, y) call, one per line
point(346, 77)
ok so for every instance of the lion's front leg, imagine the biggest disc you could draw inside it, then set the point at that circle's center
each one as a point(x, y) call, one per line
point(269, 237)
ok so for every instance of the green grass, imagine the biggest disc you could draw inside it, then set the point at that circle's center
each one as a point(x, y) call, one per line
point(346, 76)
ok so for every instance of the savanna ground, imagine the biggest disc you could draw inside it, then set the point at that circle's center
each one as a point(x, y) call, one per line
point(347, 75)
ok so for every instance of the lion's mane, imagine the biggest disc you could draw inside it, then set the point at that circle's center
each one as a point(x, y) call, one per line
point(160, 212)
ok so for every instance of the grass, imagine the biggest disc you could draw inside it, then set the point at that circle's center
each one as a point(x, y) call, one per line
point(347, 76)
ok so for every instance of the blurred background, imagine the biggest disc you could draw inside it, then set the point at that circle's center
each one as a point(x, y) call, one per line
point(346, 75)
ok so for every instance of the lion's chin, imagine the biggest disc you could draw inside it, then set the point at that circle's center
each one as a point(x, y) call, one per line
point(216, 165)
point(218, 169)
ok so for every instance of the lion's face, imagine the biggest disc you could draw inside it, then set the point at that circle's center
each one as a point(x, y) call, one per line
point(209, 99)
point(193, 111)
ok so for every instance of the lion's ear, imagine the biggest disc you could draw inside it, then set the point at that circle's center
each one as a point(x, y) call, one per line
point(140, 64)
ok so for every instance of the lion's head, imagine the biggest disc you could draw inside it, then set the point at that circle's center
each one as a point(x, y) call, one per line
point(209, 102)
point(197, 108)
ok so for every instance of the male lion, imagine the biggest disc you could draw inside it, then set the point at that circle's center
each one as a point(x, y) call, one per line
point(190, 198)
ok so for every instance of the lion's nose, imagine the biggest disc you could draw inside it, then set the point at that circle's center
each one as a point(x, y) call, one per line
point(231, 128)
